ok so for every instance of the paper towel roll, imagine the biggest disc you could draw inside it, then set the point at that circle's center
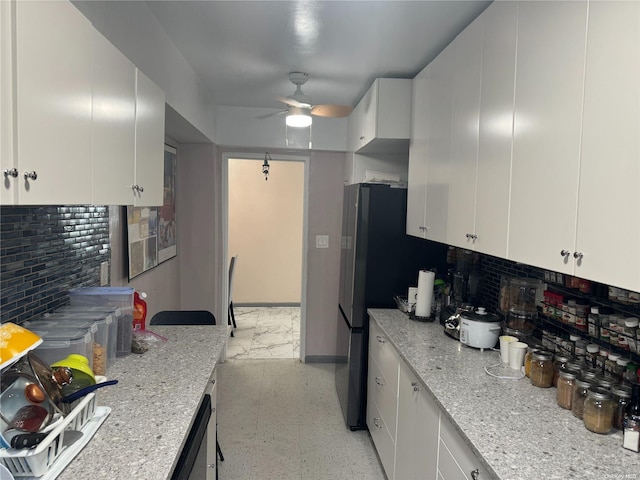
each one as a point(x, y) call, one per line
point(425, 293)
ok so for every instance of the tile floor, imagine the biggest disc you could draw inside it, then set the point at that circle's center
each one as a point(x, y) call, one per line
point(281, 419)
point(265, 332)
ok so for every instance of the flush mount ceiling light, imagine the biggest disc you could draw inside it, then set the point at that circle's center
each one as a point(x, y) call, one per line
point(265, 165)
point(298, 117)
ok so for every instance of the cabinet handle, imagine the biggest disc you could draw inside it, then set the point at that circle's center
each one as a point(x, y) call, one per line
point(375, 422)
point(565, 253)
point(362, 137)
point(137, 188)
point(213, 382)
point(140, 189)
point(422, 229)
point(12, 172)
point(379, 381)
point(416, 387)
point(475, 474)
point(578, 255)
point(211, 465)
point(380, 339)
point(30, 175)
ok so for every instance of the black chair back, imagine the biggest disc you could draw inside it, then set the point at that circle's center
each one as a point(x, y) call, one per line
point(183, 317)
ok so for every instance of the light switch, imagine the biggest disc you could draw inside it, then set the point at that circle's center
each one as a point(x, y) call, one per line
point(322, 241)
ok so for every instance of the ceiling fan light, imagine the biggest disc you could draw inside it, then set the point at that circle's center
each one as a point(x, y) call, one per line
point(298, 118)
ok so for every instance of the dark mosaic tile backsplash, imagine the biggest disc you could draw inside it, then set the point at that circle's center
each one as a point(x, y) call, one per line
point(44, 252)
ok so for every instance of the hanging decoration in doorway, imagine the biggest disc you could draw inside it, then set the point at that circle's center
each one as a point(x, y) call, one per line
point(265, 165)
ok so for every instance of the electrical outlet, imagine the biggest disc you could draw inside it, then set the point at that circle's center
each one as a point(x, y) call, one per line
point(322, 241)
point(104, 274)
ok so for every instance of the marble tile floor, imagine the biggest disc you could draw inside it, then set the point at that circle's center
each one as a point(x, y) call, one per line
point(280, 419)
point(265, 332)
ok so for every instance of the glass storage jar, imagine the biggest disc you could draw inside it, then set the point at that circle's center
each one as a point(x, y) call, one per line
point(580, 390)
point(564, 394)
point(605, 382)
point(621, 397)
point(542, 369)
point(598, 410)
point(559, 362)
point(529, 355)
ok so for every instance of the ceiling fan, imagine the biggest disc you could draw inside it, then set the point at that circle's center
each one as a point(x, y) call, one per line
point(300, 110)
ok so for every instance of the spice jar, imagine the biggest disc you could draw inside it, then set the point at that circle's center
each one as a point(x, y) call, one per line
point(580, 390)
point(610, 364)
point(582, 312)
point(598, 410)
point(564, 394)
point(619, 369)
point(542, 369)
point(559, 362)
point(631, 333)
point(592, 354)
point(621, 396)
point(594, 322)
point(602, 359)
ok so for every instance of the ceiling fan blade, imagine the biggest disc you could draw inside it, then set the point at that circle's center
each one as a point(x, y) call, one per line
point(293, 103)
point(272, 114)
point(335, 111)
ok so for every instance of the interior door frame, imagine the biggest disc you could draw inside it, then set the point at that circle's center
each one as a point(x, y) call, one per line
point(226, 156)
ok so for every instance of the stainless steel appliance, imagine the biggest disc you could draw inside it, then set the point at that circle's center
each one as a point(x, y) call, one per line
point(378, 261)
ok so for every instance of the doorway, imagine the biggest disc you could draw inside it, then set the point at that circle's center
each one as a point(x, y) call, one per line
point(266, 232)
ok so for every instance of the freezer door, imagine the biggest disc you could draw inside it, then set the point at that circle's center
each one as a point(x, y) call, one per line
point(350, 374)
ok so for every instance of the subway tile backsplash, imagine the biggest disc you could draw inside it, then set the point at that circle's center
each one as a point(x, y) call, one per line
point(44, 252)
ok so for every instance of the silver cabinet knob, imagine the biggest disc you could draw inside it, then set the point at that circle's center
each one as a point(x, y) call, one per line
point(422, 228)
point(416, 387)
point(565, 253)
point(11, 172)
point(379, 381)
point(362, 137)
point(468, 235)
point(137, 188)
point(380, 339)
point(140, 189)
point(475, 474)
point(578, 255)
point(211, 465)
point(31, 175)
point(376, 422)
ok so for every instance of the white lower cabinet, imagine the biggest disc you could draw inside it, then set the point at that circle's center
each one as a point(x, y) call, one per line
point(456, 461)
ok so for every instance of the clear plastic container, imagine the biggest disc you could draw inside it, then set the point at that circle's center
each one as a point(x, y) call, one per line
point(120, 297)
point(58, 343)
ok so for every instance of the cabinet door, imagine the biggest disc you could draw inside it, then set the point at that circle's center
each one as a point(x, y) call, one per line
point(439, 80)
point(609, 192)
point(149, 151)
point(418, 425)
point(546, 143)
point(370, 112)
point(8, 164)
point(114, 108)
point(53, 89)
point(417, 184)
point(456, 461)
point(495, 127)
point(355, 127)
point(464, 135)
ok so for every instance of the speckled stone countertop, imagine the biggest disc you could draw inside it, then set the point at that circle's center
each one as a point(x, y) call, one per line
point(517, 430)
point(152, 406)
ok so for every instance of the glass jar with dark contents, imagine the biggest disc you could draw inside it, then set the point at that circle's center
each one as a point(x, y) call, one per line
point(621, 397)
point(542, 369)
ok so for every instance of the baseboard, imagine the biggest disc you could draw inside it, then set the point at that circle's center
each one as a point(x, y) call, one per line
point(321, 359)
point(235, 304)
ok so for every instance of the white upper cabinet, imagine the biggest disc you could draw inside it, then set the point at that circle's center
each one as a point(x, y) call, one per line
point(463, 164)
point(52, 94)
point(439, 81)
point(380, 123)
point(608, 228)
point(114, 108)
point(9, 176)
point(417, 178)
point(495, 128)
point(547, 128)
point(149, 152)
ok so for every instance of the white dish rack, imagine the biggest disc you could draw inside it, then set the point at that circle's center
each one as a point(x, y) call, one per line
point(51, 456)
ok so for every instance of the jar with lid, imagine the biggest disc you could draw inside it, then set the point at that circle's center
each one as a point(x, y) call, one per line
point(542, 369)
point(559, 362)
point(594, 322)
point(564, 394)
point(619, 369)
point(631, 422)
point(529, 355)
point(582, 312)
point(599, 408)
point(631, 333)
point(605, 382)
point(604, 330)
point(592, 354)
point(569, 312)
point(579, 395)
point(580, 351)
point(610, 364)
point(614, 326)
point(588, 373)
point(621, 396)
point(602, 359)
point(631, 374)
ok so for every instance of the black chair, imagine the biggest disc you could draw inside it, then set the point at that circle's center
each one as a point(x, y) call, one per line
point(231, 317)
point(187, 317)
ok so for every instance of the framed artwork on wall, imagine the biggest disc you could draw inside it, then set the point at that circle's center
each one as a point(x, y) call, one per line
point(151, 231)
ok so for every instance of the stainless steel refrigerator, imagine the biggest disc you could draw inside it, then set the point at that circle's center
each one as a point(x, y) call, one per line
point(378, 260)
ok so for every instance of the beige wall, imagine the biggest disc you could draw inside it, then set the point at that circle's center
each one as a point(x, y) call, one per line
point(266, 231)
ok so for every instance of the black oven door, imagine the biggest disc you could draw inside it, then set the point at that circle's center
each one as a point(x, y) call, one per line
point(192, 463)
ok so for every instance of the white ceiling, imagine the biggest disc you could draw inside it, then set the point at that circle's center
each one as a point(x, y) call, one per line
point(244, 50)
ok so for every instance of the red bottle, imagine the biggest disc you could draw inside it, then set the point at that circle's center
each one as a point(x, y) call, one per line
point(139, 311)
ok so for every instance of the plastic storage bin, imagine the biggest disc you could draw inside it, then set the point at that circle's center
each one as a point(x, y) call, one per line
point(58, 343)
point(120, 297)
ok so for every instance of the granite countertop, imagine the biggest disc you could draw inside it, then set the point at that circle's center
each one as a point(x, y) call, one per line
point(517, 430)
point(152, 406)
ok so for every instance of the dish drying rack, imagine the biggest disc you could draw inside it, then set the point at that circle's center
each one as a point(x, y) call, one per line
point(47, 460)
